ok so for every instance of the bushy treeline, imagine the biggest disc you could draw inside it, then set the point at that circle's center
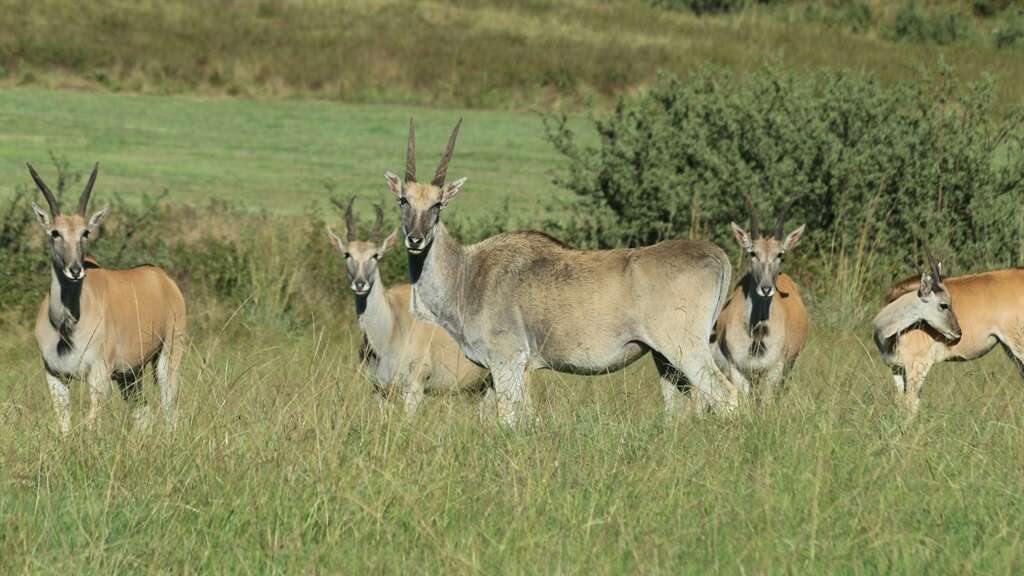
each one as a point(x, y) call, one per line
point(882, 176)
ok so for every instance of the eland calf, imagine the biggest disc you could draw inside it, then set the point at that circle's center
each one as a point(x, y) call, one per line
point(521, 301)
point(402, 353)
point(104, 324)
point(934, 319)
point(764, 324)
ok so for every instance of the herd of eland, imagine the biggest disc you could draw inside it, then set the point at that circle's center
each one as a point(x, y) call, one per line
point(483, 317)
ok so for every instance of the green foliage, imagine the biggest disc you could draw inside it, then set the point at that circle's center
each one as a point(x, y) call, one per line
point(700, 7)
point(913, 24)
point(880, 175)
point(1010, 32)
point(852, 15)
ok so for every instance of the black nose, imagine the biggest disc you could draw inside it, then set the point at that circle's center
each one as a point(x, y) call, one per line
point(414, 241)
point(75, 270)
point(360, 284)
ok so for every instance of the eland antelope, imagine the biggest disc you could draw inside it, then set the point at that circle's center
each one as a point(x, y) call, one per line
point(763, 326)
point(104, 324)
point(520, 301)
point(934, 319)
point(402, 353)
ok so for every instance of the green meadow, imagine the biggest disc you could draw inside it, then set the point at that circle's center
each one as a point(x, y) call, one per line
point(251, 115)
point(270, 154)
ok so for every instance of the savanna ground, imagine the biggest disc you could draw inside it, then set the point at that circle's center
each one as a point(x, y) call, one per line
point(283, 463)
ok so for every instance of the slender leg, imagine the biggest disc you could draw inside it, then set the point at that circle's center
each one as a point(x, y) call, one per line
point(488, 408)
point(414, 392)
point(672, 383)
point(770, 382)
point(61, 402)
point(167, 380)
point(131, 389)
point(700, 369)
point(728, 367)
point(510, 388)
point(1016, 353)
point(99, 389)
point(900, 380)
point(916, 373)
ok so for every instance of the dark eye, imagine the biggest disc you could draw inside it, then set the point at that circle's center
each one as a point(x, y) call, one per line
point(54, 234)
point(402, 201)
point(347, 255)
point(376, 256)
point(943, 306)
point(85, 234)
point(436, 207)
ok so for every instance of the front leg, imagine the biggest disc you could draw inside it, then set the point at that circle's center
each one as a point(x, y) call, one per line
point(61, 402)
point(510, 389)
point(770, 382)
point(99, 390)
point(413, 395)
point(915, 375)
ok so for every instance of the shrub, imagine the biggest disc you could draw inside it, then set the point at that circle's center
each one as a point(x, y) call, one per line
point(879, 174)
point(702, 6)
point(1011, 32)
point(912, 24)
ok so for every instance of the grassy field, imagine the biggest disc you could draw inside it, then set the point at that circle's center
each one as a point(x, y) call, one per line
point(477, 53)
point(268, 154)
point(283, 464)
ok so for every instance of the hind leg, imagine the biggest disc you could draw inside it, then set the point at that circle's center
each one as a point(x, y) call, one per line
point(700, 369)
point(130, 384)
point(674, 387)
point(167, 365)
point(1016, 353)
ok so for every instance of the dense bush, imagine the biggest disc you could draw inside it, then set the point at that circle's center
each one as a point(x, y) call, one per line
point(1011, 31)
point(913, 24)
point(702, 6)
point(880, 174)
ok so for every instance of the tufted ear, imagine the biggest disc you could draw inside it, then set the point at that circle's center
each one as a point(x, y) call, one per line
point(98, 217)
point(793, 238)
point(41, 216)
point(394, 183)
point(450, 190)
point(742, 238)
point(927, 285)
point(389, 242)
point(336, 242)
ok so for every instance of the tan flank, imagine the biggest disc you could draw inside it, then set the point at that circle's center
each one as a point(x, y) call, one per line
point(520, 301)
point(764, 325)
point(401, 353)
point(961, 318)
point(104, 325)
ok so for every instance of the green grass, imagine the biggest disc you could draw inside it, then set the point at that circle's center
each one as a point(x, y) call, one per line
point(269, 154)
point(283, 464)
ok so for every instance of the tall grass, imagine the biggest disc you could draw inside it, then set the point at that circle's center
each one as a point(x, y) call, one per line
point(284, 464)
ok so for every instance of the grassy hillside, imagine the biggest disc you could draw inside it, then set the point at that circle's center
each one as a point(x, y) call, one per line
point(269, 154)
point(481, 53)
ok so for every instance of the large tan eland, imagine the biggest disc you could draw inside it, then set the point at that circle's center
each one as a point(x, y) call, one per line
point(401, 353)
point(934, 319)
point(521, 301)
point(105, 325)
point(764, 325)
